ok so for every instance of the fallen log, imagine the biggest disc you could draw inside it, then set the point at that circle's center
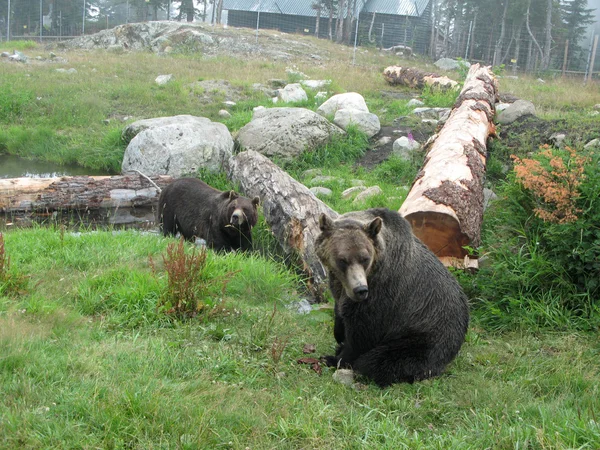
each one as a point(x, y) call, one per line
point(290, 208)
point(415, 78)
point(117, 200)
point(445, 203)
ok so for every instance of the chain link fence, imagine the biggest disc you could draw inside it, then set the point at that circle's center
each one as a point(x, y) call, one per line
point(404, 27)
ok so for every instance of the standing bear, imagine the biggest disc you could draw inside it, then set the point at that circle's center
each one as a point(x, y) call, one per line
point(400, 315)
point(196, 210)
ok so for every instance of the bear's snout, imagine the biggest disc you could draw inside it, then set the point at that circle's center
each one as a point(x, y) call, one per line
point(361, 292)
point(237, 218)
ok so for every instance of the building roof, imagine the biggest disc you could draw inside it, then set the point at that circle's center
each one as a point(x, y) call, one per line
point(413, 8)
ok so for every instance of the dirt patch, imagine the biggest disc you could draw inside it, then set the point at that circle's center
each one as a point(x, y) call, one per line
point(382, 144)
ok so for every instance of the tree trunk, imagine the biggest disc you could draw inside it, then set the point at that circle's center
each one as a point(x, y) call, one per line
point(339, 34)
point(409, 76)
point(445, 203)
point(290, 208)
point(548, 42)
point(371, 40)
point(317, 21)
point(500, 41)
point(122, 199)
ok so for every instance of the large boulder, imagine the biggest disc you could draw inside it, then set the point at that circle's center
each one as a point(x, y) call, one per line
point(516, 110)
point(285, 132)
point(366, 122)
point(349, 100)
point(292, 93)
point(176, 145)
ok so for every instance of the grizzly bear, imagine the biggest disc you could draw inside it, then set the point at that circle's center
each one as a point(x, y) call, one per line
point(400, 315)
point(196, 210)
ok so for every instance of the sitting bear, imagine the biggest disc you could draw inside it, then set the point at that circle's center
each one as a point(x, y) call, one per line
point(196, 210)
point(400, 315)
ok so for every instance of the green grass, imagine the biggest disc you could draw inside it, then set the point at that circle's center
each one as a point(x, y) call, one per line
point(87, 361)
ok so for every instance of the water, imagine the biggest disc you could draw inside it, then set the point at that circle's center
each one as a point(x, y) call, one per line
point(16, 167)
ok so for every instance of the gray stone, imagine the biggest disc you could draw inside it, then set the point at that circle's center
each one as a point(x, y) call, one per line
point(415, 102)
point(518, 109)
point(321, 191)
point(229, 103)
point(286, 132)
point(176, 146)
point(594, 143)
point(4, 54)
point(71, 70)
point(501, 107)
point(322, 179)
point(224, 113)
point(431, 113)
point(311, 173)
point(315, 84)
point(366, 122)
point(488, 197)
point(292, 93)
point(557, 139)
point(17, 56)
point(352, 191)
point(451, 64)
point(349, 100)
point(163, 79)
point(367, 193)
point(404, 147)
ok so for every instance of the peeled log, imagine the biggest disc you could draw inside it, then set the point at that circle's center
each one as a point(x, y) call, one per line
point(290, 208)
point(445, 203)
point(118, 200)
point(415, 78)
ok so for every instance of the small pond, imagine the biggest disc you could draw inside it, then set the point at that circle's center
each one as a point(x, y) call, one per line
point(16, 167)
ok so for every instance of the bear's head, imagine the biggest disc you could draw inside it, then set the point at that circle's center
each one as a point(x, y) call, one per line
point(347, 248)
point(242, 213)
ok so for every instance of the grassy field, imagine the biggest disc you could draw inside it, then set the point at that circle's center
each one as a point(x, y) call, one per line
point(91, 358)
point(86, 361)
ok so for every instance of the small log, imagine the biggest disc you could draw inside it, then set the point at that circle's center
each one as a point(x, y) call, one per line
point(445, 203)
point(415, 78)
point(290, 208)
point(118, 200)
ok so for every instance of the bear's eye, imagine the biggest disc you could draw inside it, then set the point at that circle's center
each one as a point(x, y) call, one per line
point(342, 263)
point(364, 261)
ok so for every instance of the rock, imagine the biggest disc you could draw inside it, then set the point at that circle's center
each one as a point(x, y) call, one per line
point(597, 106)
point(451, 64)
point(322, 179)
point(224, 113)
point(518, 109)
point(17, 56)
point(4, 54)
point(257, 108)
point(350, 100)
point(368, 193)
point(366, 122)
point(315, 84)
point(594, 143)
point(286, 132)
point(52, 55)
point(176, 145)
point(311, 173)
point(431, 113)
point(501, 107)
point(292, 93)
point(488, 197)
point(71, 70)
point(384, 140)
point(415, 103)
point(352, 191)
point(322, 191)
point(229, 103)
point(404, 147)
point(557, 140)
point(344, 376)
point(161, 80)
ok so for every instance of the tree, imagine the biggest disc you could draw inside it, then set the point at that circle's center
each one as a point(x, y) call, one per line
point(575, 18)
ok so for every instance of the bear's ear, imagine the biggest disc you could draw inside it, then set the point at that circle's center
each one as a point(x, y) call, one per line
point(231, 195)
point(374, 227)
point(325, 222)
point(256, 201)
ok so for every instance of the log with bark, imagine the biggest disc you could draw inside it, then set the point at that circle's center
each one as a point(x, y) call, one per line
point(290, 208)
point(445, 203)
point(415, 78)
point(118, 200)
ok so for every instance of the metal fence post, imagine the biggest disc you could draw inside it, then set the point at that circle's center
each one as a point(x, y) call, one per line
point(8, 23)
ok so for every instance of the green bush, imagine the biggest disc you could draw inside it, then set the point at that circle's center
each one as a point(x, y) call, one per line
point(541, 272)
